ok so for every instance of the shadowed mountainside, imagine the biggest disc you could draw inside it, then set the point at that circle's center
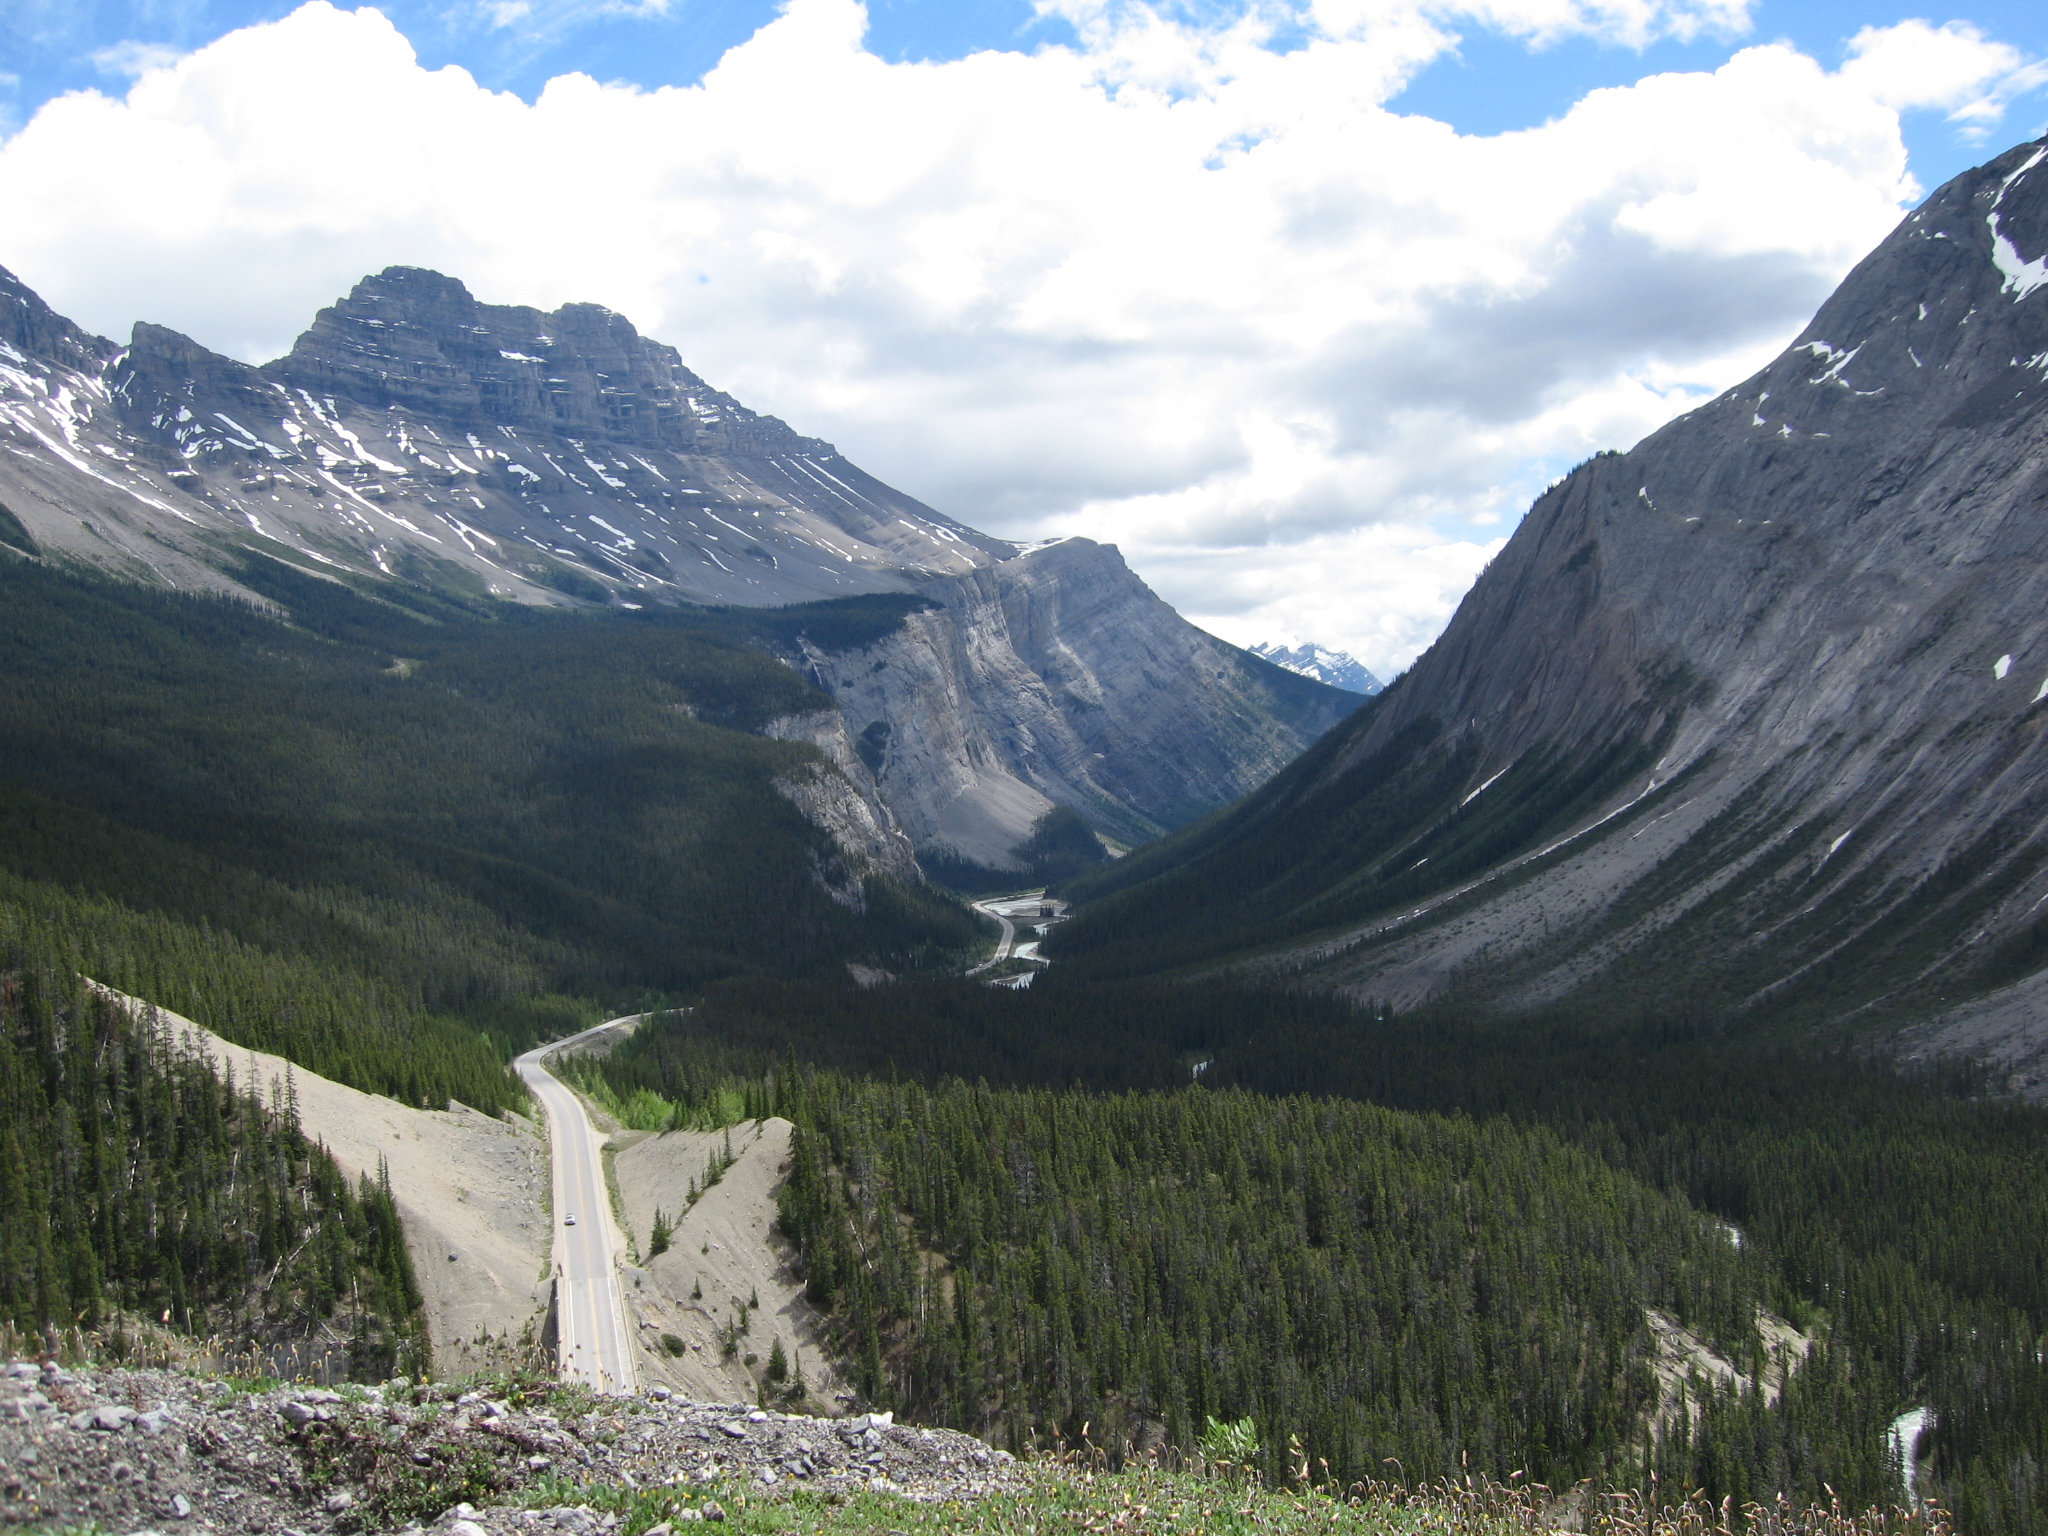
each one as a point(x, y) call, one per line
point(1749, 716)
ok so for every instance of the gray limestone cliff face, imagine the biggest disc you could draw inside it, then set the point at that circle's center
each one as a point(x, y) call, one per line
point(416, 339)
point(1058, 677)
point(1862, 515)
point(1754, 714)
point(840, 797)
point(34, 335)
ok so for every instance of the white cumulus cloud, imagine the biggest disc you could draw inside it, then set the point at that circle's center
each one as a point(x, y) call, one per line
point(1954, 68)
point(1304, 358)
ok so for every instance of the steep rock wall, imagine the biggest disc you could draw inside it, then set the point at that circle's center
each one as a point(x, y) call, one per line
point(840, 797)
point(1058, 677)
point(1749, 718)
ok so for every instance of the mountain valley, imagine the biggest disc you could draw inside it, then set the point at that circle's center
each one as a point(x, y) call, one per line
point(1606, 1060)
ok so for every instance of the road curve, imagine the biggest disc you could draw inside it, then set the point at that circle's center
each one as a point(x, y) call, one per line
point(594, 1342)
point(993, 907)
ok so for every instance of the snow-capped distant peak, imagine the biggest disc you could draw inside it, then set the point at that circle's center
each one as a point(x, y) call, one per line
point(1337, 668)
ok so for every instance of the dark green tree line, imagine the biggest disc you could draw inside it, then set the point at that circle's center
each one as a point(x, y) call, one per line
point(1378, 1284)
point(138, 1183)
point(1898, 1217)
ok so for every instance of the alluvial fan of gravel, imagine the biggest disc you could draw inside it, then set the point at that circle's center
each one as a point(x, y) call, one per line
point(165, 1452)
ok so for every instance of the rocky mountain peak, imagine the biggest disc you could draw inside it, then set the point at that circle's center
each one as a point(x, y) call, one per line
point(36, 333)
point(1340, 669)
point(417, 339)
point(166, 367)
point(414, 435)
point(1940, 325)
point(1752, 714)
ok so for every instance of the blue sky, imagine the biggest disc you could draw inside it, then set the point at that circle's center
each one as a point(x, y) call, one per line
point(1498, 84)
point(1493, 83)
point(1223, 291)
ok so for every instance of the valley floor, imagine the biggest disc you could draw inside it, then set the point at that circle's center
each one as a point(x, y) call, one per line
point(473, 1192)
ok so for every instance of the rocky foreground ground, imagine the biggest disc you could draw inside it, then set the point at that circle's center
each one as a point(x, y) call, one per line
point(160, 1451)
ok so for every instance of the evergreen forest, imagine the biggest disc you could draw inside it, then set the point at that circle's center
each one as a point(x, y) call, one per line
point(399, 843)
point(140, 1186)
point(398, 838)
point(392, 838)
point(1133, 1206)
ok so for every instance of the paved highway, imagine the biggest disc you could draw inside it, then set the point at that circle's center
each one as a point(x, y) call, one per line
point(594, 1342)
point(1003, 909)
point(1029, 907)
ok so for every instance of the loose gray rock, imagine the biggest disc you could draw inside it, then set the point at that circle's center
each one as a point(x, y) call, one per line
point(250, 1465)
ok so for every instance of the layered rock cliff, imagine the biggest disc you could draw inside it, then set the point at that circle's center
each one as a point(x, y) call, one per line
point(1749, 718)
point(1058, 677)
point(840, 795)
point(478, 448)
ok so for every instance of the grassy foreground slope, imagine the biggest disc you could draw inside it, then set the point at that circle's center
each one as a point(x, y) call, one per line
point(1072, 1493)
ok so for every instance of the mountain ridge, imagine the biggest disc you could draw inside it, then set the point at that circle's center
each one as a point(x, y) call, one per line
point(605, 471)
point(1749, 711)
point(1340, 669)
point(418, 445)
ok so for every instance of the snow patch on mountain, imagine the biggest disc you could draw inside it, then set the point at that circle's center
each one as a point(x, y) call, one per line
point(1337, 668)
